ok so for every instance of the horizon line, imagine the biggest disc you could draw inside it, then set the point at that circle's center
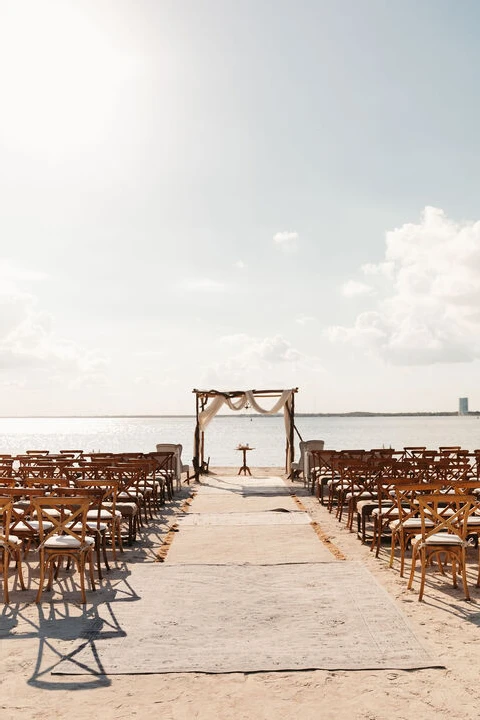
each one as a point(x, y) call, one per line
point(351, 413)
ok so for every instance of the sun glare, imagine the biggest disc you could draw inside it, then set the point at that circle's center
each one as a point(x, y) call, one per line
point(61, 76)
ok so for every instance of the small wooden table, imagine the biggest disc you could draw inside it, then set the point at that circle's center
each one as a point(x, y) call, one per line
point(244, 467)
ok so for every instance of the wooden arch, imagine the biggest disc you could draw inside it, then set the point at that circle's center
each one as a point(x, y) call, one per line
point(203, 397)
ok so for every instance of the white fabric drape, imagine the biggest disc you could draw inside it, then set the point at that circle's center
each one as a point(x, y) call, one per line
point(247, 397)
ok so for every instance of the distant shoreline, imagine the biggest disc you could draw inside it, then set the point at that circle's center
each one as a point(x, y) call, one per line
point(355, 414)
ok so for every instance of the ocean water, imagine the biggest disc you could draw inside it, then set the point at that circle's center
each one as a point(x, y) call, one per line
point(264, 433)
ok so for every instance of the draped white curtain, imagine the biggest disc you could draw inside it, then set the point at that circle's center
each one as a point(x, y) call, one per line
point(239, 403)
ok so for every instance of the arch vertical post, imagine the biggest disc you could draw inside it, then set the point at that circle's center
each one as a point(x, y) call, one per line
point(196, 449)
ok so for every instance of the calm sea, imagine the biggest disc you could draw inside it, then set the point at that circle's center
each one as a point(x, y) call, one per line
point(265, 434)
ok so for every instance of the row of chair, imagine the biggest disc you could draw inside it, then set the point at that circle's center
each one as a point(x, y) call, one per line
point(74, 505)
point(428, 500)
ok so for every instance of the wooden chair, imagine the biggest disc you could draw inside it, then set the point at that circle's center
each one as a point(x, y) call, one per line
point(444, 529)
point(180, 466)
point(322, 465)
point(302, 468)
point(11, 546)
point(95, 527)
point(107, 513)
point(338, 484)
point(67, 538)
point(165, 468)
point(23, 522)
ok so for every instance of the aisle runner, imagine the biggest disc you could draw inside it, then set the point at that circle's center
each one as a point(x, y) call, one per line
point(218, 619)
point(237, 520)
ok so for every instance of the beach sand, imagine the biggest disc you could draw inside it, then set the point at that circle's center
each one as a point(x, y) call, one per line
point(444, 621)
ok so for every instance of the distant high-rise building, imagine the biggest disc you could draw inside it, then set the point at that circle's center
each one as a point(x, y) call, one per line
point(463, 406)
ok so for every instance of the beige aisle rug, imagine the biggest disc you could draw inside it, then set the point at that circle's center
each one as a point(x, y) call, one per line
point(247, 618)
point(278, 516)
point(240, 544)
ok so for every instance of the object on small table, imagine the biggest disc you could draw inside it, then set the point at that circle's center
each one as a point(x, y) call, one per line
point(244, 467)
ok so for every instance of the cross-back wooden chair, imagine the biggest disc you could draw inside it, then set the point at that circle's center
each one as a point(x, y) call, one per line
point(413, 451)
point(409, 524)
point(23, 522)
point(6, 467)
point(376, 504)
point(95, 527)
point(443, 535)
point(107, 513)
point(165, 468)
point(67, 538)
point(322, 464)
point(336, 486)
point(356, 482)
point(72, 454)
point(10, 546)
point(130, 499)
point(30, 470)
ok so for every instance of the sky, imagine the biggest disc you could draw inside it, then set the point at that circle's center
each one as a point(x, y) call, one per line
point(239, 194)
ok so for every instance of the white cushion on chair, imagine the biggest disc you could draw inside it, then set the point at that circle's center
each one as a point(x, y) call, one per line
point(66, 541)
point(34, 525)
point(442, 538)
point(12, 540)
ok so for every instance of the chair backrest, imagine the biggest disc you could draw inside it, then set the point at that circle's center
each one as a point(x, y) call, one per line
point(176, 448)
point(449, 513)
point(65, 516)
point(6, 505)
point(109, 488)
point(22, 509)
point(307, 446)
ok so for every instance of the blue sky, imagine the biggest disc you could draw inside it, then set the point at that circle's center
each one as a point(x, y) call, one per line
point(214, 193)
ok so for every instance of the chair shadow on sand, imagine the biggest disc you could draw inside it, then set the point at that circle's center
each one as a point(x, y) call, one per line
point(62, 620)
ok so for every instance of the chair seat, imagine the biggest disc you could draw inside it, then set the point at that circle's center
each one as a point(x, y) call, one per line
point(387, 511)
point(104, 514)
point(366, 504)
point(127, 508)
point(410, 524)
point(365, 495)
point(441, 538)
point(53, 512)
point(91, 526)
point(67, 541)
point(34, 525)
point(12, 540)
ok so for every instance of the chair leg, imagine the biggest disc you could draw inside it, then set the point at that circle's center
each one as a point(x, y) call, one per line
point(412, 570)
point(42, 576)
point(423, 561)
point(98, 541)
point(104, 550)
point(6, 595)
point(90, 567)
point(464, 574)
point(81, 570)
point(18, 560)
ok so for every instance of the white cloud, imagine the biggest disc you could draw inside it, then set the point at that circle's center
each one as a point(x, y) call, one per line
point(353, 288)
point(305, 319)
point(245, 361)
point(240, 265)
point(429, 307)
point(202, 285)
point(287, 241)
point(27, 337)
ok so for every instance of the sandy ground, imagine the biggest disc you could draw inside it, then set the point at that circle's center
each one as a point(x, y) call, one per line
point(444, 621)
